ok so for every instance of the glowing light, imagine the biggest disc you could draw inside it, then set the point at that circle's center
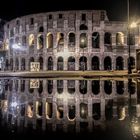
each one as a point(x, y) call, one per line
point(133, 25)
point(14, 104)
point(16, 46)
point(82, 40)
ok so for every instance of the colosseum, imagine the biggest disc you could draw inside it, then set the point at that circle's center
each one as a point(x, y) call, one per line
point(69, 41)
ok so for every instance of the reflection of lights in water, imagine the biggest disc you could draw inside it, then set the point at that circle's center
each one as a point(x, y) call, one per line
point(122, 114)
point(135, 126)
point(14, 104)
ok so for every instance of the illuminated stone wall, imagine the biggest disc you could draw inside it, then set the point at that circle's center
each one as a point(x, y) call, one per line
point(66, 34)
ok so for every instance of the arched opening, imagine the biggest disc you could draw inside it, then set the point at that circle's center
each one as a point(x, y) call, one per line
point(49, 110)
point(83, 86)
point(17, 41)
point(31, 40)
point(121, 112)
point(71, 63)
point(60, 111)
point(119, 39)
point(22, 101)
point(96, 111)
point(11, 63)
point(109, 110)
point(71, 112)
point(95, 87)
point(59, 86)
point(39, 106)
point(17, 64)
point(23, 41)
point(23, 64)
point(40, 41)
point(41, 29)
point(71, 86)
point(40, 89)
point(132, 62)
point(6, 64)
point(50, 63)
point(49, 40)
point(107, 63)
point(10, 85)
point(71, 39)
point(50, 86)
point(60, 63)
point(95, 63)
point(119, 63)
point(95, 40)
point(120, 87)
point(131, 87)
point(16, 85)
point(83, 111)
point(31, 43)
point(83, 63)
point(30, 110)
point(83, 40)
point(60, 39)
point(41, 63)
point(22, 110)
point(83, 27)
point(22, 86)
point(108, 87)
point(107, 39)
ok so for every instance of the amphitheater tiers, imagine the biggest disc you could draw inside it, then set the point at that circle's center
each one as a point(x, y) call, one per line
point(68, 40)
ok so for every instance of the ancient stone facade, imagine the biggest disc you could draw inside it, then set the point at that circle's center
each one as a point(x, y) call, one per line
point(69, 40)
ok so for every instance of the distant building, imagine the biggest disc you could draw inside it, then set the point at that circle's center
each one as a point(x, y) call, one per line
point(69, 40)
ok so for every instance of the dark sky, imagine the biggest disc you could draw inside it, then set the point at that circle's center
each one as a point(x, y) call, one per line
point(116, 9)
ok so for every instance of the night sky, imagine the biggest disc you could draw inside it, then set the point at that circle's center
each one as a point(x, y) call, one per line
point(116, 9)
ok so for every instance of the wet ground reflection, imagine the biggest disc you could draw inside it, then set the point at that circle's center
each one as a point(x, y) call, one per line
point(100, 108)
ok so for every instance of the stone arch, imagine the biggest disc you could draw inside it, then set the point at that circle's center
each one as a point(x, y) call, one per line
point(83, 63)
point(60, 63)
point(83, 27)
point(95, 63)
point(120, 87)
point(71, 86)
point(49, 40)
point(72, 39)
point(71, 63)
point(83, 86)
point(119, 63)
point(119, 39)
point(107, 63)
point(95, 87)
point(107, 39)
point(50, 63)
point(23, 64)
point(96, 40)
point(41, 62)
point(40, 41)
point(60, 86)
point(108, 87)
point(83, 40)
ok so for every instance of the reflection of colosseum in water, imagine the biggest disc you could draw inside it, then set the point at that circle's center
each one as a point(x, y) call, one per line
point(68, 105)
point(68, 40)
